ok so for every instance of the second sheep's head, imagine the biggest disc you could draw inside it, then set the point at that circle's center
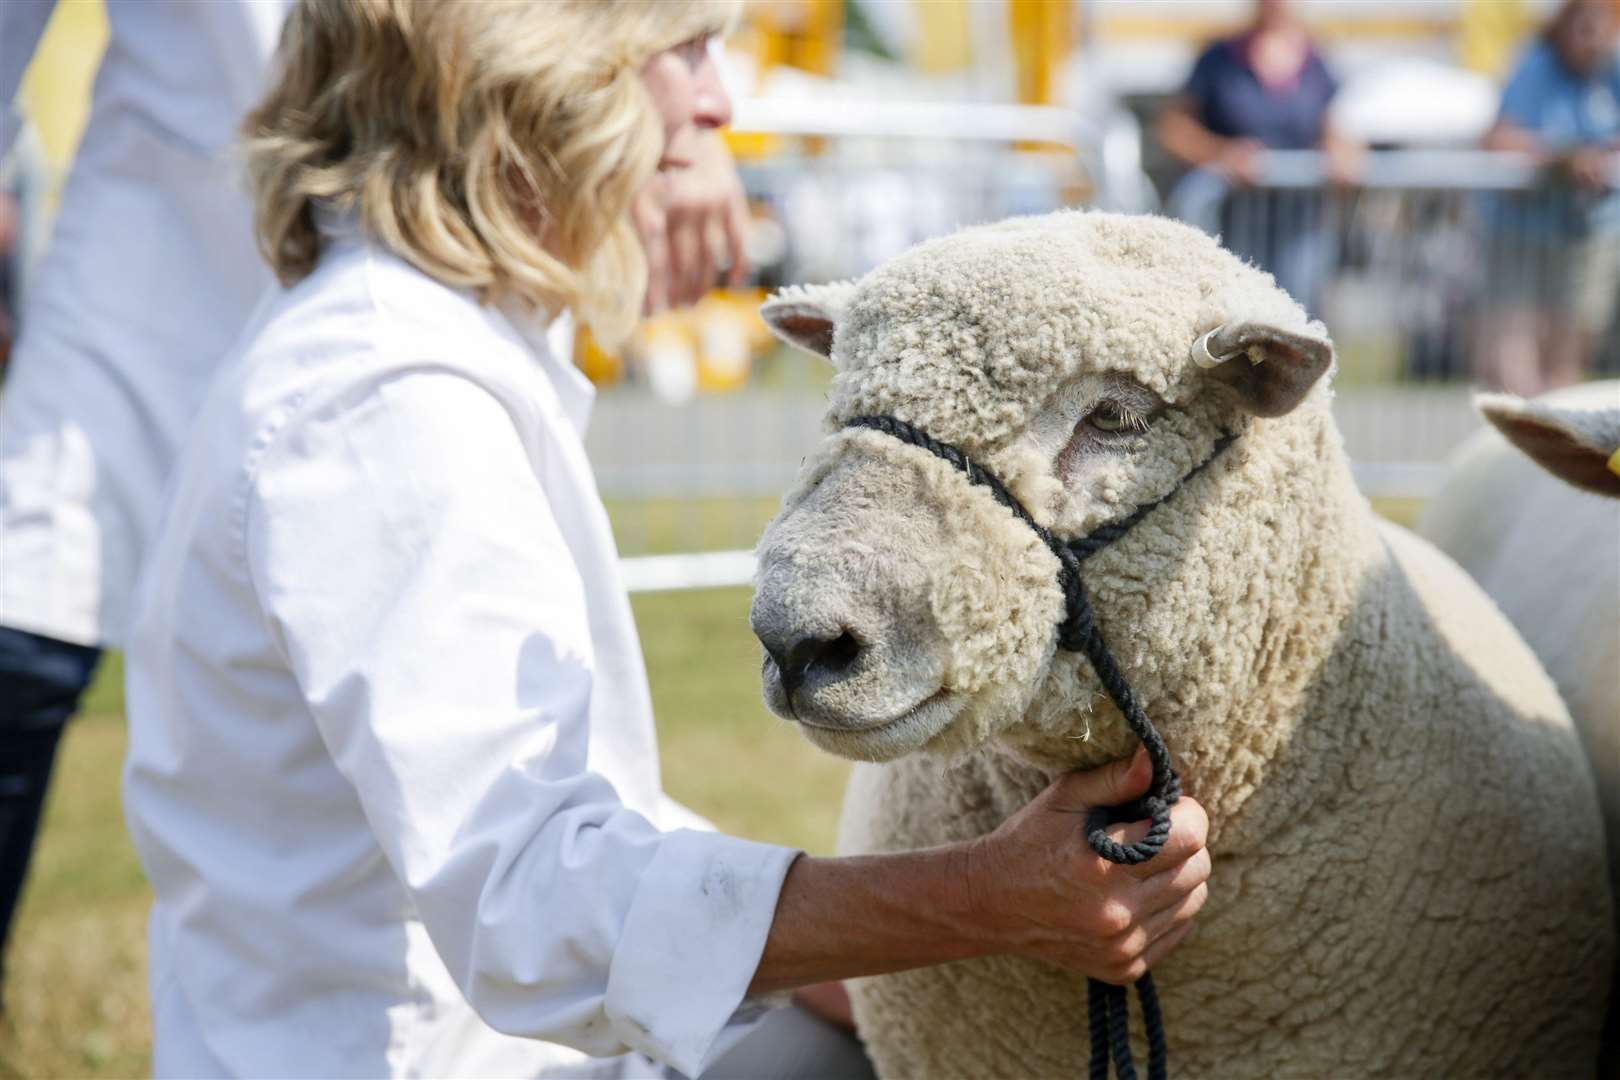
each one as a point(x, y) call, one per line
point(1088, 360)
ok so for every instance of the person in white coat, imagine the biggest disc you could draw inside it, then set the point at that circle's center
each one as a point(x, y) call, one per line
point(151, 276)
point(392, 769)
point(148, 279)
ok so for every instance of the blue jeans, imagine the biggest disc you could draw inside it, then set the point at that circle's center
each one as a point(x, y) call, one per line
point(41, 680)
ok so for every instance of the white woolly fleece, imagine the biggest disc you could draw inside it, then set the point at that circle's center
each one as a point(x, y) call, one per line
point(1549, 555)
point(1406, 842)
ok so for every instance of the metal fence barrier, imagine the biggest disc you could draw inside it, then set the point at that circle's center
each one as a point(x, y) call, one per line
point(1412, 266)
point(1436, 273)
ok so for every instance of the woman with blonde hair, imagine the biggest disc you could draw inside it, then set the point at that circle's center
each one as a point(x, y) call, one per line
point(392, 769)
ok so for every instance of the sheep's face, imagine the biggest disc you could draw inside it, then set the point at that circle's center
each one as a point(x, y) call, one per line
point(902, 607)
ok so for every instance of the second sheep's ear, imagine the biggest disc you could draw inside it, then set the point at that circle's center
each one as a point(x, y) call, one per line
point(806, 316)
point(1580, 446)
point(1270, 369)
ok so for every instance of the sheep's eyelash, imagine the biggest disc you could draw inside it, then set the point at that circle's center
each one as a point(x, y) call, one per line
point(1136, 421)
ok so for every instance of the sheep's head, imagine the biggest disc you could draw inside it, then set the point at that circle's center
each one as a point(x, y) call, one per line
point(1090, 361)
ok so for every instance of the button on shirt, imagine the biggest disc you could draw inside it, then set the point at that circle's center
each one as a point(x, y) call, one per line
point(392, 765)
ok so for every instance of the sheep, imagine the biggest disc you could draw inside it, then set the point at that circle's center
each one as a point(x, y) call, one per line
point(1407, 858)
point(1548, 553)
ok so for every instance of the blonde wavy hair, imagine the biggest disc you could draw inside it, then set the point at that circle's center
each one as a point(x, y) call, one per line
point(496, 145)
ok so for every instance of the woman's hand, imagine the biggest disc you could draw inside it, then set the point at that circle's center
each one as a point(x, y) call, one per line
point(1241, 161)
point(1039, 890)
point(1589, 167)
point(689, 220)
point(1033, 887)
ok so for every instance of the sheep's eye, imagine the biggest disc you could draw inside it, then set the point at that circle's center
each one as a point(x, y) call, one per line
point(1113, 419)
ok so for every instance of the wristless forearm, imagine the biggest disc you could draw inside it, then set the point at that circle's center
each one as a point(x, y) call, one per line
point(845, 917)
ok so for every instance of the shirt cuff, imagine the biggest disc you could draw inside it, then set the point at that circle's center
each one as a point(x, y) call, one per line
point(692, 943)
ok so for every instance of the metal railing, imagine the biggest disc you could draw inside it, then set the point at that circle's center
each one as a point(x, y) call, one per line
point(1436, 272)
point(1408, 268)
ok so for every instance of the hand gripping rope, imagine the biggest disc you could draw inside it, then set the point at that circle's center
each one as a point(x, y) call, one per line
point(1107, 1017)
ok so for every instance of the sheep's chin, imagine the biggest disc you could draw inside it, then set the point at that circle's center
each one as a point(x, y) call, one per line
point(885, 741)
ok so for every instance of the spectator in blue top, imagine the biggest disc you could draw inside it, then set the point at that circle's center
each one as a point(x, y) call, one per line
point(1266, 88)
point(1555, 255)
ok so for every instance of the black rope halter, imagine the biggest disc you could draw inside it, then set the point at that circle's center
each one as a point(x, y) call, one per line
point(1106, 1011)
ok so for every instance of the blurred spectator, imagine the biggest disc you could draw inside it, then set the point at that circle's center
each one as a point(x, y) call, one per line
point(1266, 88)
point(150, 274)
point(1555, 254)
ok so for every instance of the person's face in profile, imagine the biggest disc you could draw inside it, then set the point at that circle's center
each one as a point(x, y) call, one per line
point(685, 84)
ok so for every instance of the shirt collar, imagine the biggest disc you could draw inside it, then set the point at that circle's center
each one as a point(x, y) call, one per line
point(545, 338)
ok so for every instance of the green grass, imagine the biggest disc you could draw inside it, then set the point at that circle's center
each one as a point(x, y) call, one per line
point(76, 978)
point(670, 526)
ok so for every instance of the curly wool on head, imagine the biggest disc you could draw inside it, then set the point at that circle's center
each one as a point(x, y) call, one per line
point(494, 146)
point(1528, 509)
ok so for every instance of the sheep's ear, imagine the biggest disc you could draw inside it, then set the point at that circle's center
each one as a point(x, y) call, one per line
point(1270, 369)
point(806, 316)
point(1580, 446)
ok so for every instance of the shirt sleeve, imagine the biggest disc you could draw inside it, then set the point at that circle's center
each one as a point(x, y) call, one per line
point(1328, 81)
point(1525, 92)
point(410, 566)
point(1200, 85)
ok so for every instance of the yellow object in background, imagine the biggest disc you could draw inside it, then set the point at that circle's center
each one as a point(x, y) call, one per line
point(710, 347)
point(944, 35)
point(1041, 35)
point(55, 91)
point(751, 145)
point(803, 34)
point(728, 330)
point(806, 34)
point(600, 366)
point(1491, 34)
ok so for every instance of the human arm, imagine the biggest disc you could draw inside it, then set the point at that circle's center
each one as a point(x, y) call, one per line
point(1183, 135)
point(689, 219)
point(1588, 166)
point(1344, 157)
point(1033, 888)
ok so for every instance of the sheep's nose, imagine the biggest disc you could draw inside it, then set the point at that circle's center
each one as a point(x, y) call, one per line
point(832, 656)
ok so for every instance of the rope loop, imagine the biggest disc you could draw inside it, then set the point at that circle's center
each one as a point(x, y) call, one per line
point(1153, 807)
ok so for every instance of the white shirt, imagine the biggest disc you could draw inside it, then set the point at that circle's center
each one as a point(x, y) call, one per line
point(392, 766)
point(149, 277)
